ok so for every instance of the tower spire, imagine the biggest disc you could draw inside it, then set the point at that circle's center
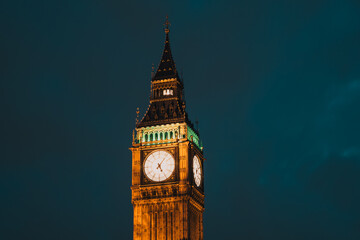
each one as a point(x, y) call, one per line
point(166, 68)
point(166, 95)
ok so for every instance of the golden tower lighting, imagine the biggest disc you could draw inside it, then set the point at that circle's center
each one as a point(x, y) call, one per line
point(167, 162)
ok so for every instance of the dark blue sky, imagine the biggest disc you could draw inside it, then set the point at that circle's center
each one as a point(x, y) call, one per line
point(275, 86)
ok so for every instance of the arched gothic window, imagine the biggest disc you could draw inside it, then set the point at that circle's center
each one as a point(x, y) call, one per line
point(168, 92)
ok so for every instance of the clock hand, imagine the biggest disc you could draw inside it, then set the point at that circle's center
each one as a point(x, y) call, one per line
point(162, 160)
point(159, 166)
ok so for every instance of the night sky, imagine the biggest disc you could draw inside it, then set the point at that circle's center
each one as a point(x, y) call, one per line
point(275, 86)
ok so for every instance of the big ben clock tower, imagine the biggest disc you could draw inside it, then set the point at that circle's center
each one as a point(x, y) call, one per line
point(167, 162)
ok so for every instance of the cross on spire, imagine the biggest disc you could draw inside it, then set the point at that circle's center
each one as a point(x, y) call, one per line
point(167, 24)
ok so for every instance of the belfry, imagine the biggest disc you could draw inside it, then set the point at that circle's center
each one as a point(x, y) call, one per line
point(167, 162)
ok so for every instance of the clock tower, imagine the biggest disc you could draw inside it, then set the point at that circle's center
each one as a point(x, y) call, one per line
point(167, 162)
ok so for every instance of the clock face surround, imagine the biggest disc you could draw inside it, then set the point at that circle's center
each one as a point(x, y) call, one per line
point(197, 171)
point(159, 166)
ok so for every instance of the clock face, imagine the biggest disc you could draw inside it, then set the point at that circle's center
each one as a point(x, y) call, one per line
point(159, 166)
point(197, 171)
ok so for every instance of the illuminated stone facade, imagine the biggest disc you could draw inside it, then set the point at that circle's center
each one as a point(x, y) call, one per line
point(171, 209)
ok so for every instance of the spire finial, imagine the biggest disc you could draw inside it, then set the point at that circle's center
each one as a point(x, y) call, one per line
point(137, 115)
point(167, 24)
point(152, 70)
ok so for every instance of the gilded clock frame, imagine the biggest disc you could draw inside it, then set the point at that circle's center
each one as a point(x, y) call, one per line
point(145, 180)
